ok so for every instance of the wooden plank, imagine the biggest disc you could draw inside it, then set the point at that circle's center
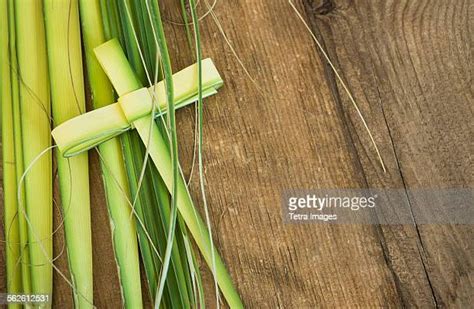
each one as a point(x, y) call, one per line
point(406, 62)
point(256, 146)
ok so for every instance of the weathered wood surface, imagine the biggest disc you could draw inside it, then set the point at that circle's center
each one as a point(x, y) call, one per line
point(410, 61)
point(409, 65)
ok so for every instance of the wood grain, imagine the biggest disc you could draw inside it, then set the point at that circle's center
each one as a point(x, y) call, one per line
point(408, 64)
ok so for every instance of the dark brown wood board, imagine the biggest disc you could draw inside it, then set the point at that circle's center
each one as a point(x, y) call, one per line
point(409, 66)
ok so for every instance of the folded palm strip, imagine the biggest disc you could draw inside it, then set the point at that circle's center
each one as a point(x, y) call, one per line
point(136, 108)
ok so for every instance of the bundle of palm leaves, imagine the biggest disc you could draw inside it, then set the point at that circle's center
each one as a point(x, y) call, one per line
point(134, 94)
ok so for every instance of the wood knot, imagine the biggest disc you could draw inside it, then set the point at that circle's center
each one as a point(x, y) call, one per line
point(324, 8)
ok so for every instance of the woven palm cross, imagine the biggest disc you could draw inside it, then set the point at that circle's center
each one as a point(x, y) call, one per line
point(134, 110)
